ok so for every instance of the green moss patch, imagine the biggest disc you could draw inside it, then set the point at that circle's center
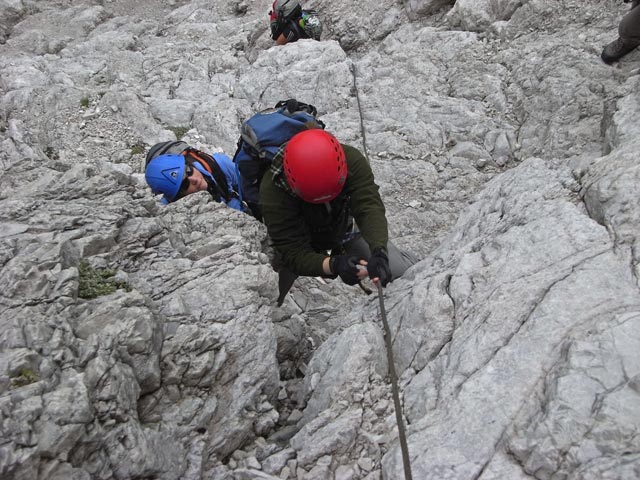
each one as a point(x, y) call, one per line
point(179, 131)
point(25, 377)
point(96, 283)
point(137, 149)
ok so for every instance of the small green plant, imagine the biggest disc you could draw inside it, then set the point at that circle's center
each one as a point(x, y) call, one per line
point(179, 131)
point(95, 283)
point(25, 377)
point(84, 102)
point(137, 149)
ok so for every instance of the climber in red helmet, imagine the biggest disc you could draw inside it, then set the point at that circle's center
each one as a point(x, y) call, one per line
point(320, 196)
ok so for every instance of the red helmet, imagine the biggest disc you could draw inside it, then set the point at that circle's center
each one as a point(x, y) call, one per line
point(314, 165)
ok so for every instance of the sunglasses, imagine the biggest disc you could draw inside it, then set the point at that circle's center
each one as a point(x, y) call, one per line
point(184, 186)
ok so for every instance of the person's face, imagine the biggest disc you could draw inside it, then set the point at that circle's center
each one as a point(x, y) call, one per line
point(193, 181)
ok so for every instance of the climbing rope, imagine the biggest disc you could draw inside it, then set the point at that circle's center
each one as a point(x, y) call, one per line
point(394, 386)
point(362, 130)
point(383, 314)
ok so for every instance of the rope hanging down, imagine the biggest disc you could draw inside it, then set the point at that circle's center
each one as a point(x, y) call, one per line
point(387, 331)
point(363, 132)
point(394, 386)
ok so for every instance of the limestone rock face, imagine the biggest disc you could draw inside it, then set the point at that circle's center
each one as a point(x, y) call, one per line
point(482, 14)
point(143, 341)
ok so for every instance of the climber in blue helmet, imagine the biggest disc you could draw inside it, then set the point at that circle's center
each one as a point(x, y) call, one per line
point(176, 170)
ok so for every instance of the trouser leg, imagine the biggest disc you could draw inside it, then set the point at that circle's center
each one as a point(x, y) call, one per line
point(402, 260)
point(285, 281)
point(628, 39)
point(629, 28)
point(399, 260)
point(286, 277)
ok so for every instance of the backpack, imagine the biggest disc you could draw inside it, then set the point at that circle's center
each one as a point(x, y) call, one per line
point(310, 24)
point(260, 138)
point(224, 191)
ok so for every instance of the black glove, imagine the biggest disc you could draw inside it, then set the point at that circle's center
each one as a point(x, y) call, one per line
point(345, 266)
point(378, 266)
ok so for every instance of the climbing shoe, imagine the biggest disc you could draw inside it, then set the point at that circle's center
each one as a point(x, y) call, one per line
point(616, 50)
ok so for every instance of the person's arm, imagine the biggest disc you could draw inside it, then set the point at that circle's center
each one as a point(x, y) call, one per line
point(365, 202)
point(231, 175)
point(228, 168)
point(289, 33)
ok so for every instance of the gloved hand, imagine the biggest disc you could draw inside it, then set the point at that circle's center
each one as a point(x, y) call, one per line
point(346, 267)
point(378, 266)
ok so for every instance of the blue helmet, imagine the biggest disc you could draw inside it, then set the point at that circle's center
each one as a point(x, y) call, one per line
point(164, 175)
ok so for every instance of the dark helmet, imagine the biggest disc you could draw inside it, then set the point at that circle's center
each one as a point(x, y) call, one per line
point(283, 9)
point(315, 166)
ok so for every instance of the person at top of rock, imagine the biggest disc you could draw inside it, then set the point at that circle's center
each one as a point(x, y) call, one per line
point(290, 22)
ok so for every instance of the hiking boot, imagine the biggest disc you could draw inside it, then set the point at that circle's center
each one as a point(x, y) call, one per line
point(616, 50)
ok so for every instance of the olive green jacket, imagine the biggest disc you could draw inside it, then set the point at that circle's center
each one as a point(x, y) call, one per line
point(303, 232)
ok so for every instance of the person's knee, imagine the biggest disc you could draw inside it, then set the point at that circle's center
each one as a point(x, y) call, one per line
point(400, 261)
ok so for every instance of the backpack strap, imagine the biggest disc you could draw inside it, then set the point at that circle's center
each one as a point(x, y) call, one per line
point(223, 188)
point(292, 105)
